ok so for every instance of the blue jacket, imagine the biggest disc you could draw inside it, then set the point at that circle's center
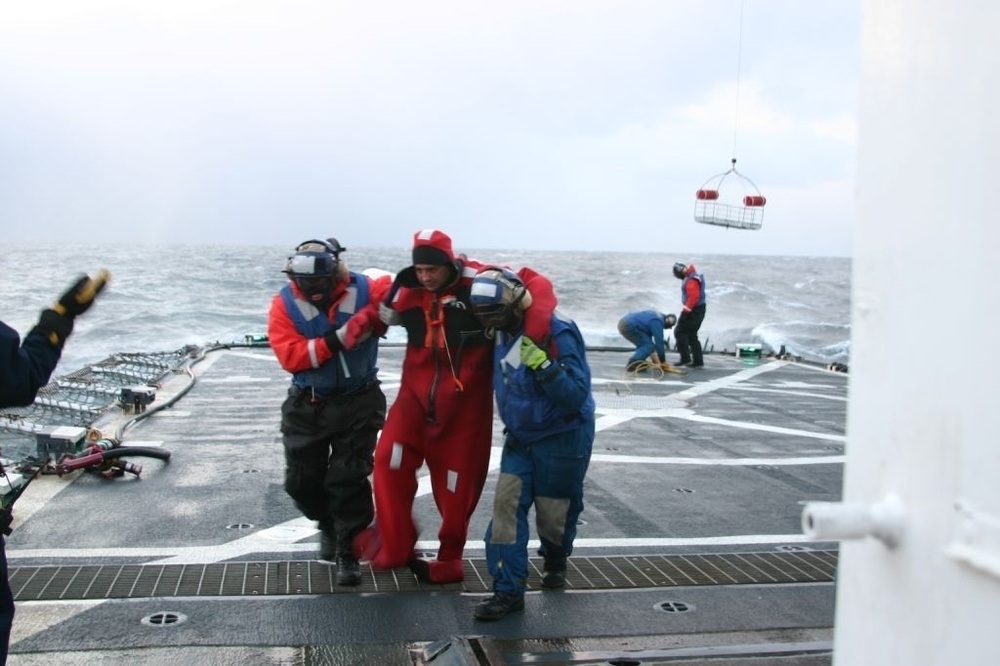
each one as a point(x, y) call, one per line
point(24, 368)
point(536, 404)
point(349, 370)
point(650, 324)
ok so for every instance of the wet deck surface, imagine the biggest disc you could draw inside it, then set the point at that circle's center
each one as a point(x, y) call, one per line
point(689, 548)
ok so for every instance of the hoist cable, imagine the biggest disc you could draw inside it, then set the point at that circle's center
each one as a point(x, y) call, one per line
point(739, 63)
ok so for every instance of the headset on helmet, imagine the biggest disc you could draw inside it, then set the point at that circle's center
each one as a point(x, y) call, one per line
point(495, 296)
point(679, 269)
point(331, 245)
point(669, 321)
point(314, 268)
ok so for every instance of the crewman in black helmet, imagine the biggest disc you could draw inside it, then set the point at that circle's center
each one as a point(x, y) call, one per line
point(335, 406)
point(692, 314)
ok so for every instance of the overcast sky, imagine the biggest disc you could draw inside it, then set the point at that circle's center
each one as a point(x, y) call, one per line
point(510, 124)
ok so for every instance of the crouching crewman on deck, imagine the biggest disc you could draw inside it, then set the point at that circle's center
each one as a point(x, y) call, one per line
point(543, 396)
point(644, 329)
point(335, 406)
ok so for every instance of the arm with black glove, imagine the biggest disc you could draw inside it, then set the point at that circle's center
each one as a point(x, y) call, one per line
point(26, 366)
point(335, 339)
point(57, 323)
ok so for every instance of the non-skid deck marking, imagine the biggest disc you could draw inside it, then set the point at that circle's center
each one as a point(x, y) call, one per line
point(48, 583)
point(285, 537)
point(724, 382)
point(610, 418)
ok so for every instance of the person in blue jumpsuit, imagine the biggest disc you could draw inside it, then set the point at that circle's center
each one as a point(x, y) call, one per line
point(25, 367)
point(543, 396)
point(644, 329)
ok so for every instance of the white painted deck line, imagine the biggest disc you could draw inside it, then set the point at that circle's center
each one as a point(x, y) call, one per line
point(235, 379)
point(255, 544)
point(822, 396)
point(724, 382)
point(662, 460)
point(765, 428)
point(610, 420)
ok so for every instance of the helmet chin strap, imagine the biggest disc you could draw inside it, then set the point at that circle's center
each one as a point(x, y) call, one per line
point(514, 312)
point(513, 316)
point(511, 324)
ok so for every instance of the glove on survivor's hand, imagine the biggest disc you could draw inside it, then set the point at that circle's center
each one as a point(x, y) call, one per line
point(388, 316)
point(532, 355)
point(361, 326)
point(358, 328)
point(81, 295)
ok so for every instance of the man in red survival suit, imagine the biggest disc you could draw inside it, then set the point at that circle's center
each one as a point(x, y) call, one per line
point(442, 416)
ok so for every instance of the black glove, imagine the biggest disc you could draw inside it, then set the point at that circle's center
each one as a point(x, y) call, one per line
point(80, 296)
point(55, 327)
point(6, 518)
point(333, 340)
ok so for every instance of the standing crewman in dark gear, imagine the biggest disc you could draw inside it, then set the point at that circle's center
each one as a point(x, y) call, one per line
point(692, 314)
point(24, 369)
point(541, 379)
point(335, 406)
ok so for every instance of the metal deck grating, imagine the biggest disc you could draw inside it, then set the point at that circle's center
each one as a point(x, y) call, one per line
point(290, 577)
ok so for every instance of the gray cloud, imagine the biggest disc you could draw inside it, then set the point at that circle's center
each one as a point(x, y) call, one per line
point(556, 125)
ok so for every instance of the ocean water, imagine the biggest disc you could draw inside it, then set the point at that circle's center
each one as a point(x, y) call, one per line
point(162, 298)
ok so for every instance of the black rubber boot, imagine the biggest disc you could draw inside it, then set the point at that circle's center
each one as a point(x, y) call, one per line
point(554, 574)
point(498, 606)
point(554, 580)
point(327, 547)
point(348, 570)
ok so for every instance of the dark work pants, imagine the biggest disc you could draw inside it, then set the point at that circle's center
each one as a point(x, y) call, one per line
point(686, 335)
point(6, 604)
point(329, 455)
point(548, 474)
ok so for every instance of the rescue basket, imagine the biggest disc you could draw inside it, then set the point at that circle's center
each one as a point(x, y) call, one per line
point(730, 200)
